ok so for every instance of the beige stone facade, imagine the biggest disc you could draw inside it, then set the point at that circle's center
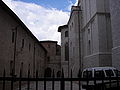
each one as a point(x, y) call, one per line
point(115, 22)
point(89, 35)
point(64, 49)
point(86, 41)
point(73, 41)
point(96, 31)
point(19, 48)
point(53, 61)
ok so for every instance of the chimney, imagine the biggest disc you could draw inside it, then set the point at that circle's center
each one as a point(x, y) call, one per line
point(75, 8)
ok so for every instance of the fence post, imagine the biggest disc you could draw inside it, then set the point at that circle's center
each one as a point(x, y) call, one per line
point(95, 79)
point(21, 68)
point(3, 80)
point(12, 79)
point(44, 81)
point(36, 80)
point(53, 76)
point(79, 76)
point(20, 79)
point(71, 81)
point(28, 82)
point(103, 86)
point(110, 80)
point(62, 81)
point(87, 81)
point(118, 87)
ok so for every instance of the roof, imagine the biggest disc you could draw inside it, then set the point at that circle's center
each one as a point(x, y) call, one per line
point(99, 68)
point(48, 41)
point(16, 18)
point(62, 27)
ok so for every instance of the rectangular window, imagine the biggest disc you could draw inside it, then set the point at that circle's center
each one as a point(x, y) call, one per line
point(109, 73)
point(66, 52)
point(13, 36)
point(22, 43)
point(89, 47)
point(117, 72)
point(66, 34)
point(29, 46)
point(99, 74)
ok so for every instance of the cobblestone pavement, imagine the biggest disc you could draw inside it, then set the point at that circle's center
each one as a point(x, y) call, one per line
point(49, 86)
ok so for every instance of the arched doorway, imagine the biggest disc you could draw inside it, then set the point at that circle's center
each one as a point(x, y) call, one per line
point(48, 72)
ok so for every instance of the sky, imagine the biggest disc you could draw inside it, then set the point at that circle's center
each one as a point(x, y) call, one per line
point(43, 17)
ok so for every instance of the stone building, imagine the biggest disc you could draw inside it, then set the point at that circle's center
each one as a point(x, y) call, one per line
point(74, 40)
point(53, 61)
point(96, 33)
point(64, 49)
point(71, 43)
point(115, 22)
point(19, 48)
point(89, 35)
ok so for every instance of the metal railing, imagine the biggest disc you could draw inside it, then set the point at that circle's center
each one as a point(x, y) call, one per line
point(110, 83)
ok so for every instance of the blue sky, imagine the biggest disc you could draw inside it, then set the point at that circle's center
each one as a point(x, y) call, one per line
point(42, 17)
point(58, 4)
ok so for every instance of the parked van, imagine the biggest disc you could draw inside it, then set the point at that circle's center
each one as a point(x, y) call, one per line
point(98, 72)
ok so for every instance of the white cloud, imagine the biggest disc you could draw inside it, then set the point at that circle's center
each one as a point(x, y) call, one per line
point(42, 22)
point(71, 4)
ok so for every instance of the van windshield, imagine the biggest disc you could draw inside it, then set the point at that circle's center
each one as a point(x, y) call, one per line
point(109, 73)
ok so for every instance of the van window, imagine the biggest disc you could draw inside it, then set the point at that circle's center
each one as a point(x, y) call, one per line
point(109, 73)
point(99, 74)
point(117, 72)
point(87, 74)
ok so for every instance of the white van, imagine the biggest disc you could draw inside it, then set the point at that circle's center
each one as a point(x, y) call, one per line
point(98, 72)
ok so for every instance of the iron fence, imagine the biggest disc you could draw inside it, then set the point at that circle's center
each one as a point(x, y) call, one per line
point(110, 83)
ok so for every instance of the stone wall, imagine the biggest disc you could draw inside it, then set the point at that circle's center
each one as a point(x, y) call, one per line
point(96, 30)
point(74, 40)
point(115, 21)
point(18, 46)
point(64, 48)
point(53, 60)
